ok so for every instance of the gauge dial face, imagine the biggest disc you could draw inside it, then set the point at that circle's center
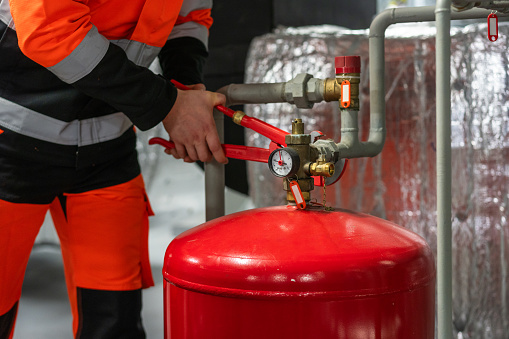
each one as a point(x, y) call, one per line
point(284, 162)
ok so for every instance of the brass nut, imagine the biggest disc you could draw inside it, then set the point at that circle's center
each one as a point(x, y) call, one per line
point(306, 185)
point(297, 139)
point(332, 91)
point(305, 195)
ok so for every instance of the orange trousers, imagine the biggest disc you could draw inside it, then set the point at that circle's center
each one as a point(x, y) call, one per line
point(103, 236)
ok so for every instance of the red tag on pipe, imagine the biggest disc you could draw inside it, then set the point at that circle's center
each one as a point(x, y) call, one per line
point(297, 195)
point(492, 27)
point(345, 93)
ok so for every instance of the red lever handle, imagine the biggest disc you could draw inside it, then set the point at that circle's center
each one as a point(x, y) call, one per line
point(231, 151)
point(273, 133)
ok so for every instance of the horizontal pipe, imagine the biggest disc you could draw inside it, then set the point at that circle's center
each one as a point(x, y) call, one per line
point(239, 94)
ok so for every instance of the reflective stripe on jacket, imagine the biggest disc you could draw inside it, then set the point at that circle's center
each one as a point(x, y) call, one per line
point(69, 69)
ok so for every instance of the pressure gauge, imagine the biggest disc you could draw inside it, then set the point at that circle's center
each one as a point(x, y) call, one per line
point(284, 162)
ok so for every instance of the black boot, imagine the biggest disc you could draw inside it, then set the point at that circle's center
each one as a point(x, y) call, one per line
point(109, 314)
point(7, 322)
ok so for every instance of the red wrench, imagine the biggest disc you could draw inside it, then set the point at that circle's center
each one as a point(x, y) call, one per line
point(276, 135)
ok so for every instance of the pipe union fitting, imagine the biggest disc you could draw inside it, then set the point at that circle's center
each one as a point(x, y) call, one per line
point(314, 89)
point(295, 91)
point(327, 149)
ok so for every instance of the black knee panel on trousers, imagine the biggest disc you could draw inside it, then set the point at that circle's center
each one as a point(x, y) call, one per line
point(109, 314)
point(7, 322)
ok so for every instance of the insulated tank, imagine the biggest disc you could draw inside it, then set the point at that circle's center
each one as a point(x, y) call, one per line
point(281, 272)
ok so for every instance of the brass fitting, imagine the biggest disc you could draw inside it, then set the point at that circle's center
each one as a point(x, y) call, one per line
point(300, 142)
point(332, 90)
point(291, 199)
point(299, 138)
point(354, 79)
point(297, 126)
point(237, 117)
point(305, 184)
point(320, 169)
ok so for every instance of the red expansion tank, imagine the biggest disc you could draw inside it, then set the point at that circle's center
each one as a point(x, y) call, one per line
point(280, 272)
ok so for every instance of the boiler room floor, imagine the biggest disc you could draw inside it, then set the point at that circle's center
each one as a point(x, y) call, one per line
point(176, 191)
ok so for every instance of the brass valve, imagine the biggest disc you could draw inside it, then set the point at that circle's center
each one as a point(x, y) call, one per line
point(332, 90)
point(348, 69)
point(325, 169)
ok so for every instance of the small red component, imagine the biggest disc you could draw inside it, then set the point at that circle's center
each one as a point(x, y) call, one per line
point(345, 94)
point(297, 195)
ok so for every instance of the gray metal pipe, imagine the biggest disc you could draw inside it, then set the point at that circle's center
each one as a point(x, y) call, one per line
point(215, 179)
point(239, 94)
point(349, 128)
point(444, 172)
point(303, 91)
point(377, 30)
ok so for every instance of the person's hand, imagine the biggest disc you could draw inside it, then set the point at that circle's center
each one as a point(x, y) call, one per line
point(191, 126)
point(198, 87)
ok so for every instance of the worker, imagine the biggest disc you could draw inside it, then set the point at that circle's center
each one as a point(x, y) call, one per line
point(74, 87)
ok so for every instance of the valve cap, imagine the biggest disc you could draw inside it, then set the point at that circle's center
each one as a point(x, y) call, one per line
point(348, 64)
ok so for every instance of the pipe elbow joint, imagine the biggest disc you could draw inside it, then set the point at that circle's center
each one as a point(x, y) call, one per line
point(375, 143)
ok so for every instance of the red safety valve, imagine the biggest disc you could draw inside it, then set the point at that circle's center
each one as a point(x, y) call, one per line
point(348, 64)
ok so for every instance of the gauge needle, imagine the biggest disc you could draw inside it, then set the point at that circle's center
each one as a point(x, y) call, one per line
point(280, 162)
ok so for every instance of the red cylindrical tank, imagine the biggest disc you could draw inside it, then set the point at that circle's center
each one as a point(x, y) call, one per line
point(280, 272)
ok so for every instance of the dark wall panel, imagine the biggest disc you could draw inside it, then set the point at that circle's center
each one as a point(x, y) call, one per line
point(350, 14)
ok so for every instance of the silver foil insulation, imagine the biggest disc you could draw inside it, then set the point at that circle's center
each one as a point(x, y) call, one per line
point(400, 183)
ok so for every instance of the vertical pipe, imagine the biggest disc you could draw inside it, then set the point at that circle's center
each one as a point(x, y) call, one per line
point(444, 175)
point(214, 178)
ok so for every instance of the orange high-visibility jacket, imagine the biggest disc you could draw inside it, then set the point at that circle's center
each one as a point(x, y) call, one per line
point(74, 74)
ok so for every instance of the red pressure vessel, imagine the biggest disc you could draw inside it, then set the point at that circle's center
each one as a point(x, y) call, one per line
point(280, 272)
